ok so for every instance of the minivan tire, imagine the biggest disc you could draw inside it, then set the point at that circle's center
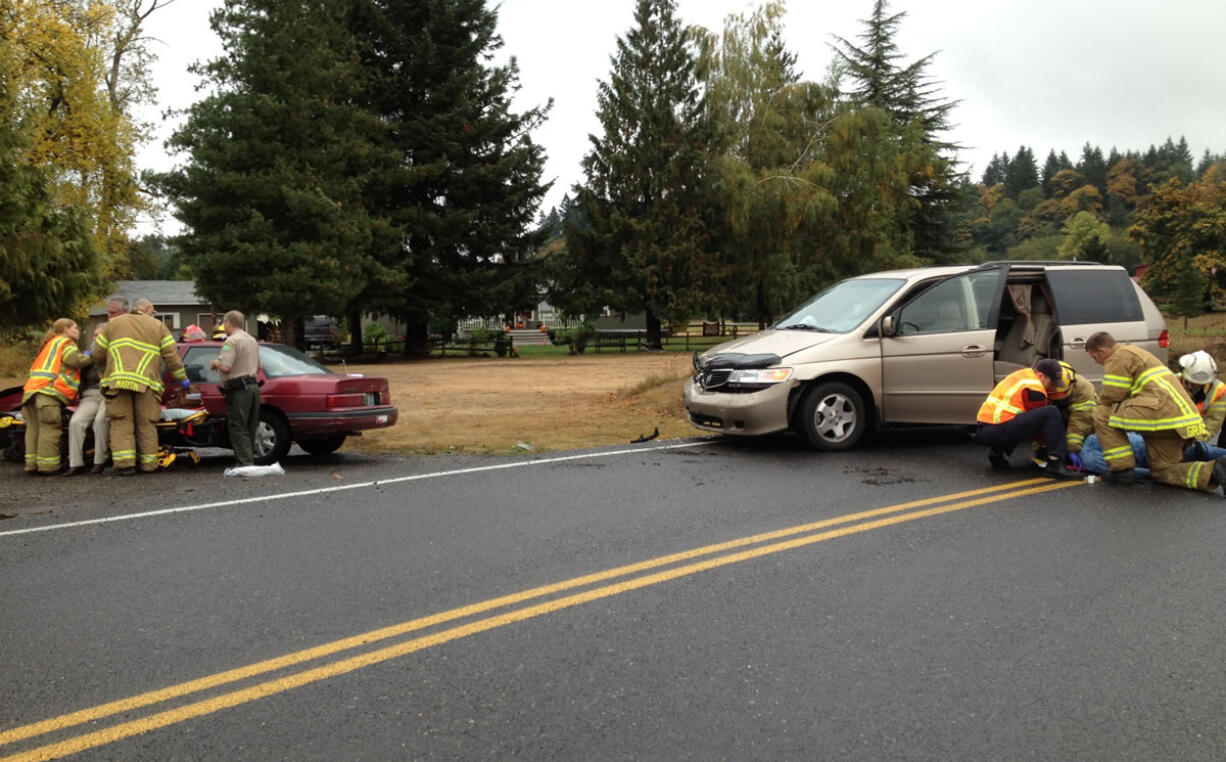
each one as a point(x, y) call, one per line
point(832, 417)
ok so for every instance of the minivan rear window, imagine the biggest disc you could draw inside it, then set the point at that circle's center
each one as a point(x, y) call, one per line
point(1094, 296)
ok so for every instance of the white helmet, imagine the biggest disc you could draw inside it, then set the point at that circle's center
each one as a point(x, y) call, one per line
point(1198, 367)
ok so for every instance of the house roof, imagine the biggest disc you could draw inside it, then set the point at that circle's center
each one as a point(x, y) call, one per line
point(163, 294)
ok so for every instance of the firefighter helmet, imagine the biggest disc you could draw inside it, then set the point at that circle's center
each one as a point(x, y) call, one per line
point(1198, 367)
point(1064, 382)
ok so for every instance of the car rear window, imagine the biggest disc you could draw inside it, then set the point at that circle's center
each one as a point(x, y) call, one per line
point(1094, 296)
point(279, 360)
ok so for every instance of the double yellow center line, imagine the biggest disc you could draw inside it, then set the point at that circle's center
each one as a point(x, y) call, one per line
point(661, 569)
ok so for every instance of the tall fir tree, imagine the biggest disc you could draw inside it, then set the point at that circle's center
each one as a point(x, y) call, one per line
point(645, 247)
point(271, 190)
point(909, 96)
point(1023, 173)
point(462, 182)
point(997, 170)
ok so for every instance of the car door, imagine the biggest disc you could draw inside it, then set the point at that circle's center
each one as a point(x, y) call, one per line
point(937, 359)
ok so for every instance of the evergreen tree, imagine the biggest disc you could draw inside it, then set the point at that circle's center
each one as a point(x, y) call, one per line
point(909, 96)
point(1022, 172)
point(49, 262)
point(270, 193)
point(461, 181)
point(1050, 167)
point(645, 249)
point(997, 170)
point(1093, 167)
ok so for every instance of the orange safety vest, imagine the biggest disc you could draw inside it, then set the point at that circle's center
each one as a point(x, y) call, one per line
point(49, 375)
point(1008, 398)
point(1217, 391)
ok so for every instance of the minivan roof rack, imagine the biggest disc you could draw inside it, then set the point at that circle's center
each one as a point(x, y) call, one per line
point(1044, 262)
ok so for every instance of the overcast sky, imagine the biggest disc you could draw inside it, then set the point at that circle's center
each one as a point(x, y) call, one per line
point(1049, 74)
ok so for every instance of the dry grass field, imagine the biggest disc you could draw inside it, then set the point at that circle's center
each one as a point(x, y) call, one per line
point(491, 406)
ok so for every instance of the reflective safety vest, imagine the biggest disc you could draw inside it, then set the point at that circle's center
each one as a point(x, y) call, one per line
point(136, 345)
point(1214, 393)
point(50, 375)
point(1213, 407)
point(1008, 399)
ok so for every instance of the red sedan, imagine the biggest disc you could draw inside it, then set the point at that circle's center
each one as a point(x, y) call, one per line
point(300, 401)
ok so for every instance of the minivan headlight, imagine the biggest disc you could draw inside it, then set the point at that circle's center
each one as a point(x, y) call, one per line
point(759, 376)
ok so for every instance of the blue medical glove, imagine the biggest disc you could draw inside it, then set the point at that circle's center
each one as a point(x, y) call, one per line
point(186, 383)
point(1074, 462)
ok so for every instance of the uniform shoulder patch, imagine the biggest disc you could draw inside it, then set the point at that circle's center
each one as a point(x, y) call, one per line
point(225, 347)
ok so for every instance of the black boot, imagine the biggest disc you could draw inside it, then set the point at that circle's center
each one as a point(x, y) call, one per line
point(1057, 470)
point(1127, 476)
point(998, 459)
point(1219, 473)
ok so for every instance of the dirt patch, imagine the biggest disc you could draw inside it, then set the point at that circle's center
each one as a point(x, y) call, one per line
point(491, 406)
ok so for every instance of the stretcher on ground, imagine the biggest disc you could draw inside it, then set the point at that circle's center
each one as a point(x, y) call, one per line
point(180, 431)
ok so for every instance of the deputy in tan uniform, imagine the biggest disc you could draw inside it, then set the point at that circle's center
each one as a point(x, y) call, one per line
point(239, 362)
point(1141, 394)
point(132, 384)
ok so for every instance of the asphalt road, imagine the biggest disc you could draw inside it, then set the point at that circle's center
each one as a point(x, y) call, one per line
point(702, 600)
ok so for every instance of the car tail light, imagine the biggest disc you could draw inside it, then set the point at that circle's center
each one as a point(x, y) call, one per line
point(1164, 339)
point(346, 400)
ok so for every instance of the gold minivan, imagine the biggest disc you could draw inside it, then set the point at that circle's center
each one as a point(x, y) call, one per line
point(920, 346)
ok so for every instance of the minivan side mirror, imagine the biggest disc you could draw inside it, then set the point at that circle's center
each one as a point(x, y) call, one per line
point(887, 325)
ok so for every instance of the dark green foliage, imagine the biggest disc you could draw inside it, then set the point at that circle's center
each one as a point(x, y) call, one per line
point(910, 97)
point(271, 193)
point(645, 248)
point(49, 265)
point(1022, 172)
point(458, 197)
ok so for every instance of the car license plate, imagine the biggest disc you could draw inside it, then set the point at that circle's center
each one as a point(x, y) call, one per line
point(372, 398)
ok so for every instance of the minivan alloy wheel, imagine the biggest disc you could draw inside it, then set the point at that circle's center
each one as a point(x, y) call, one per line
point(832, 416)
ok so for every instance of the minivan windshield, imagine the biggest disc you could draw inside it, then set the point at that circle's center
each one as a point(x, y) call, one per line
point(841, 307)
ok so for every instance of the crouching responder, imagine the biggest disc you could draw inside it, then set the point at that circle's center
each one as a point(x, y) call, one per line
point(1017, 411)
point(1141, 394)
point(54, 379)
point(1199, 376)
point(132, 384)
point(1074, 396)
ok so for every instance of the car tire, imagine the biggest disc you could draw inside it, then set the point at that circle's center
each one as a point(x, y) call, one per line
point(322, 445)
point(271, 438)
point(832, 417)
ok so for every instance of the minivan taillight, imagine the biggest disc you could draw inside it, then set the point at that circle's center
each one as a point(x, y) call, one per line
point(1164, 339)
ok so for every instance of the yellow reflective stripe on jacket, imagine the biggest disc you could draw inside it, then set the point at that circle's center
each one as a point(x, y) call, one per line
point(1089, 406)
point(1118, 453)
point(1122, 382)
point(49, 375)
point(138, 378)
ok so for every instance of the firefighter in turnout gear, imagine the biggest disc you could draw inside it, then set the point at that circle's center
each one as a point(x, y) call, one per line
point(1016, 411)
point(136, 345)
point(1076, 399)
point(1141, 394)
point(54, 379)
point(1199, 376)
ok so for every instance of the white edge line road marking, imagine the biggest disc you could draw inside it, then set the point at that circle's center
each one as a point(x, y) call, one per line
point(342, 488)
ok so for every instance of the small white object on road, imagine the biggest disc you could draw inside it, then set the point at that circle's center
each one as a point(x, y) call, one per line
point(255, 471)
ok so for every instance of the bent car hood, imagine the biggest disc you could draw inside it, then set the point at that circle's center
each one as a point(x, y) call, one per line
point(771, 342)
